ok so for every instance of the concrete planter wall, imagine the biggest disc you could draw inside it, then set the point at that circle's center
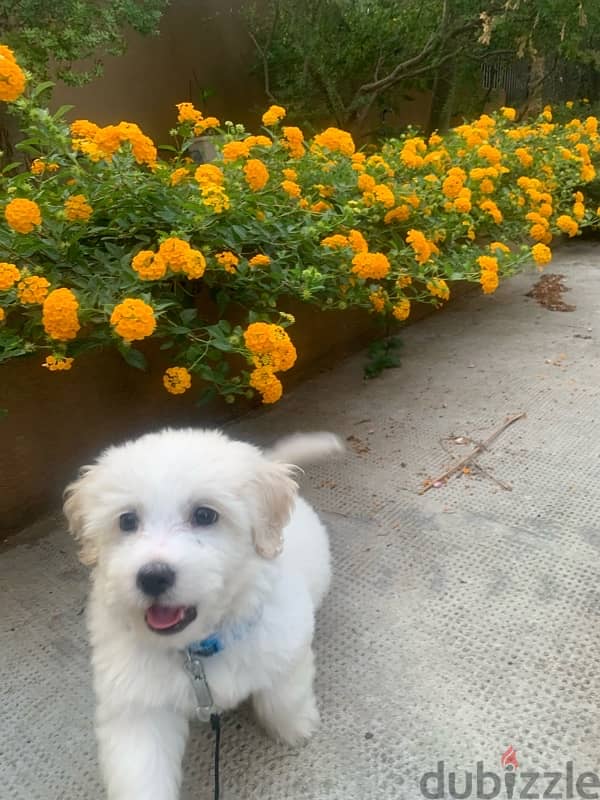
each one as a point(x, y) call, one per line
point(59, 421)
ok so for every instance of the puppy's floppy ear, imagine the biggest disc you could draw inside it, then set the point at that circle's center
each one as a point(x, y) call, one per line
point(75, 496)
point(273, 492)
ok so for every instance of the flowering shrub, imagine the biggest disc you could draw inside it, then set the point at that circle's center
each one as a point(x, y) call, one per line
point(104, 242)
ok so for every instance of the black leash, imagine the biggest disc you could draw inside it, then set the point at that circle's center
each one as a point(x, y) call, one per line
point(215, 724)
point(205, 707)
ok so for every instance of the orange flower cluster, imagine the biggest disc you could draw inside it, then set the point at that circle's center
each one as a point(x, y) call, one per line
point(9, 275)
point(293, 140)
point(23, 215)
point(102, 143)
point(259, 260)
point(411, 153)
point(489, 273)
point(187, 113)
point(59, 315)
point(39, 166)
point(422, 246)
point(271, 351)
point(211, 181)
point(133, 319)
point(370, 265)
point(174, 254)
point(32, 290)
point(12, 77)
point(438, 288)
point(77, 208)
point(177, 380)
point(228, 261)
point(57, 363)
point(336, 140)
point(256, 174)
point(401, 310)
point(273, 115)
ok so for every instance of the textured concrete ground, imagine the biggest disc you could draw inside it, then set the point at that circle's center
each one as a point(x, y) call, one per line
point(460, 622)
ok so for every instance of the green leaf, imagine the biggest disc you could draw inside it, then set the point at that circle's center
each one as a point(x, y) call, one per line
point(134, 357)
point(179, 330)
point(40, 89)
point(206, 396)
point(222, 345)
point(188, 315)
point(10, 167)
point(60, 112)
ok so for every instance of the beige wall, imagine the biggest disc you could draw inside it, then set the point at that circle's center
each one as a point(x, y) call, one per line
point(202, 44)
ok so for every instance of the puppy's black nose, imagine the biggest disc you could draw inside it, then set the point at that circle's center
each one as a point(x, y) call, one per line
point(155, 578)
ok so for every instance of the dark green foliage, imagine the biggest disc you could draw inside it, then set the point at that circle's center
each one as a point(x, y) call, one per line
point(342, 60)
point(48, 37)
point(382, 354)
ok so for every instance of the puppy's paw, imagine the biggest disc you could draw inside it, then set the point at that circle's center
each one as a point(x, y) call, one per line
point(298, 731)
point(293, 728)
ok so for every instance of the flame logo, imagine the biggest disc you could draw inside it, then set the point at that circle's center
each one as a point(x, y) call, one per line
point(509, 757)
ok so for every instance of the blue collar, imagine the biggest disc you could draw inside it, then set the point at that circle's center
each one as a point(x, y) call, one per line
point(217, 642)
point(210, 646)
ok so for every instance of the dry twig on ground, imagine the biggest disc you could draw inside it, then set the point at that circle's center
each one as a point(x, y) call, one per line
point(464, 462)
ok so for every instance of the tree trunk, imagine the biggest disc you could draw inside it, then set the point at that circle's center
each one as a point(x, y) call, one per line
point(9, 135)
point(535, 86)
point(443, 97)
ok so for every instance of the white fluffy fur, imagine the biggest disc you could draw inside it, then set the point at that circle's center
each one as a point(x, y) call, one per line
point(229, 571)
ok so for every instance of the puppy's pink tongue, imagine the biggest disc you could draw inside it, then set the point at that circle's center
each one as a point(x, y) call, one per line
point(161, 617)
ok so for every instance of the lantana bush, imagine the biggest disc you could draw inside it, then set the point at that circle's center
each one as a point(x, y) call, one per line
point(106, 242)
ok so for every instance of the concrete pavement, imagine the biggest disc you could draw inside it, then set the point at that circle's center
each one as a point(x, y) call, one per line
point(460, 622)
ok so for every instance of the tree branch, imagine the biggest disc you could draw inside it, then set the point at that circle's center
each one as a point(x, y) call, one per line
point(401, 71)
point(376, 85)
point(333, 103)
point(537, 83)
point(364, 112)
point(490, 54)
point(421, 70)
point(265, 65)
point(438, 38)
point(264, 51)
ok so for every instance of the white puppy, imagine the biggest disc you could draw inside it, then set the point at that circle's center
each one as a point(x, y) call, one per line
point(208, 570)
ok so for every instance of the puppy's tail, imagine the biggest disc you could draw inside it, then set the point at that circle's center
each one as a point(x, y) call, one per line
point(305, 448)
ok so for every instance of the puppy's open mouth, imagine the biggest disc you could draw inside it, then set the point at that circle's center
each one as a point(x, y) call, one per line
point(169, 619)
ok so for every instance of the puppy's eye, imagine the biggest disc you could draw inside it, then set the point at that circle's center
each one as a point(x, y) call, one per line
point(129, 521)
point(204, 516)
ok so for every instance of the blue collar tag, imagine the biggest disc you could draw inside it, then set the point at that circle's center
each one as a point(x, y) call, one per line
point(215, 643)
point(206, 647)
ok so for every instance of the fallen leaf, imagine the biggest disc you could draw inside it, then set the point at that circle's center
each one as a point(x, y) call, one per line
point(548, 292)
